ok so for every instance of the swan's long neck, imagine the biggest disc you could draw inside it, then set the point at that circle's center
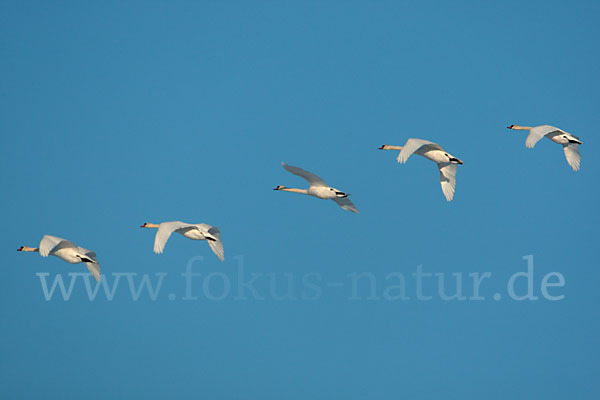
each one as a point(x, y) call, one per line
point(293, 190)
point(390, 147)
point(149, 225)
point(25, 248)
point(520, 128)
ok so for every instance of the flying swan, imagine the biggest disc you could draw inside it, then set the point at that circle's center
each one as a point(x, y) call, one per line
point(191, 231)
point(66, 251)
point(569, 142)
point(447, 163)
point(318, 188)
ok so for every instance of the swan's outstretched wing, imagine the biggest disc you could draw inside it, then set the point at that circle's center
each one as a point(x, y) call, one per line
point(94, 269)
point(537, 133)
point(50, 243)
point(448, 178)
point(217, 248)
point(310, 177)
point(572, 154)
point(165, 230)
point(214, 239)
point(413, 145)
point(346, 204)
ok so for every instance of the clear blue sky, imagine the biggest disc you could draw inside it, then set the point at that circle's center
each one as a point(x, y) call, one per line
point(119, 113)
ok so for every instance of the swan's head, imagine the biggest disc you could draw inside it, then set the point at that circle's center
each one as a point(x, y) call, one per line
point(25, 248)
point(519, 127)
point(280, 187)
point(382, 147)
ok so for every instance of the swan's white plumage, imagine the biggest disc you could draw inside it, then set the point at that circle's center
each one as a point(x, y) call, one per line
point(49, 243)
point(165, 229)
point(216, 245)
point(346, 204)
point(318, 188)
point(55, 246)
point(569, 141)
point(191, 231)
point(312, 179)
point(94, 268)
point(446, 163)
point(572, 154)
point(537, 133)
point(413, 145)
point(448, 179)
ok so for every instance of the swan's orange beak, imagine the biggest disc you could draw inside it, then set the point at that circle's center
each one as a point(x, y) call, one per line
point(509, 127)
point(143, 226)
point(382, 146)
point(20, 248)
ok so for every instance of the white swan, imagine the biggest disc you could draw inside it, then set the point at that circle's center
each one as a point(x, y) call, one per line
point(569, 142)
point(447, 163)
point(191, 231)
point(318, 188)
point(66, 251)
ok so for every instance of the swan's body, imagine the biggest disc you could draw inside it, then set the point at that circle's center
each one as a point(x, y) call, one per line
point(318, 188)
point(569, 142)
point(191, 231)
point(66, 251)
point(447, 163)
